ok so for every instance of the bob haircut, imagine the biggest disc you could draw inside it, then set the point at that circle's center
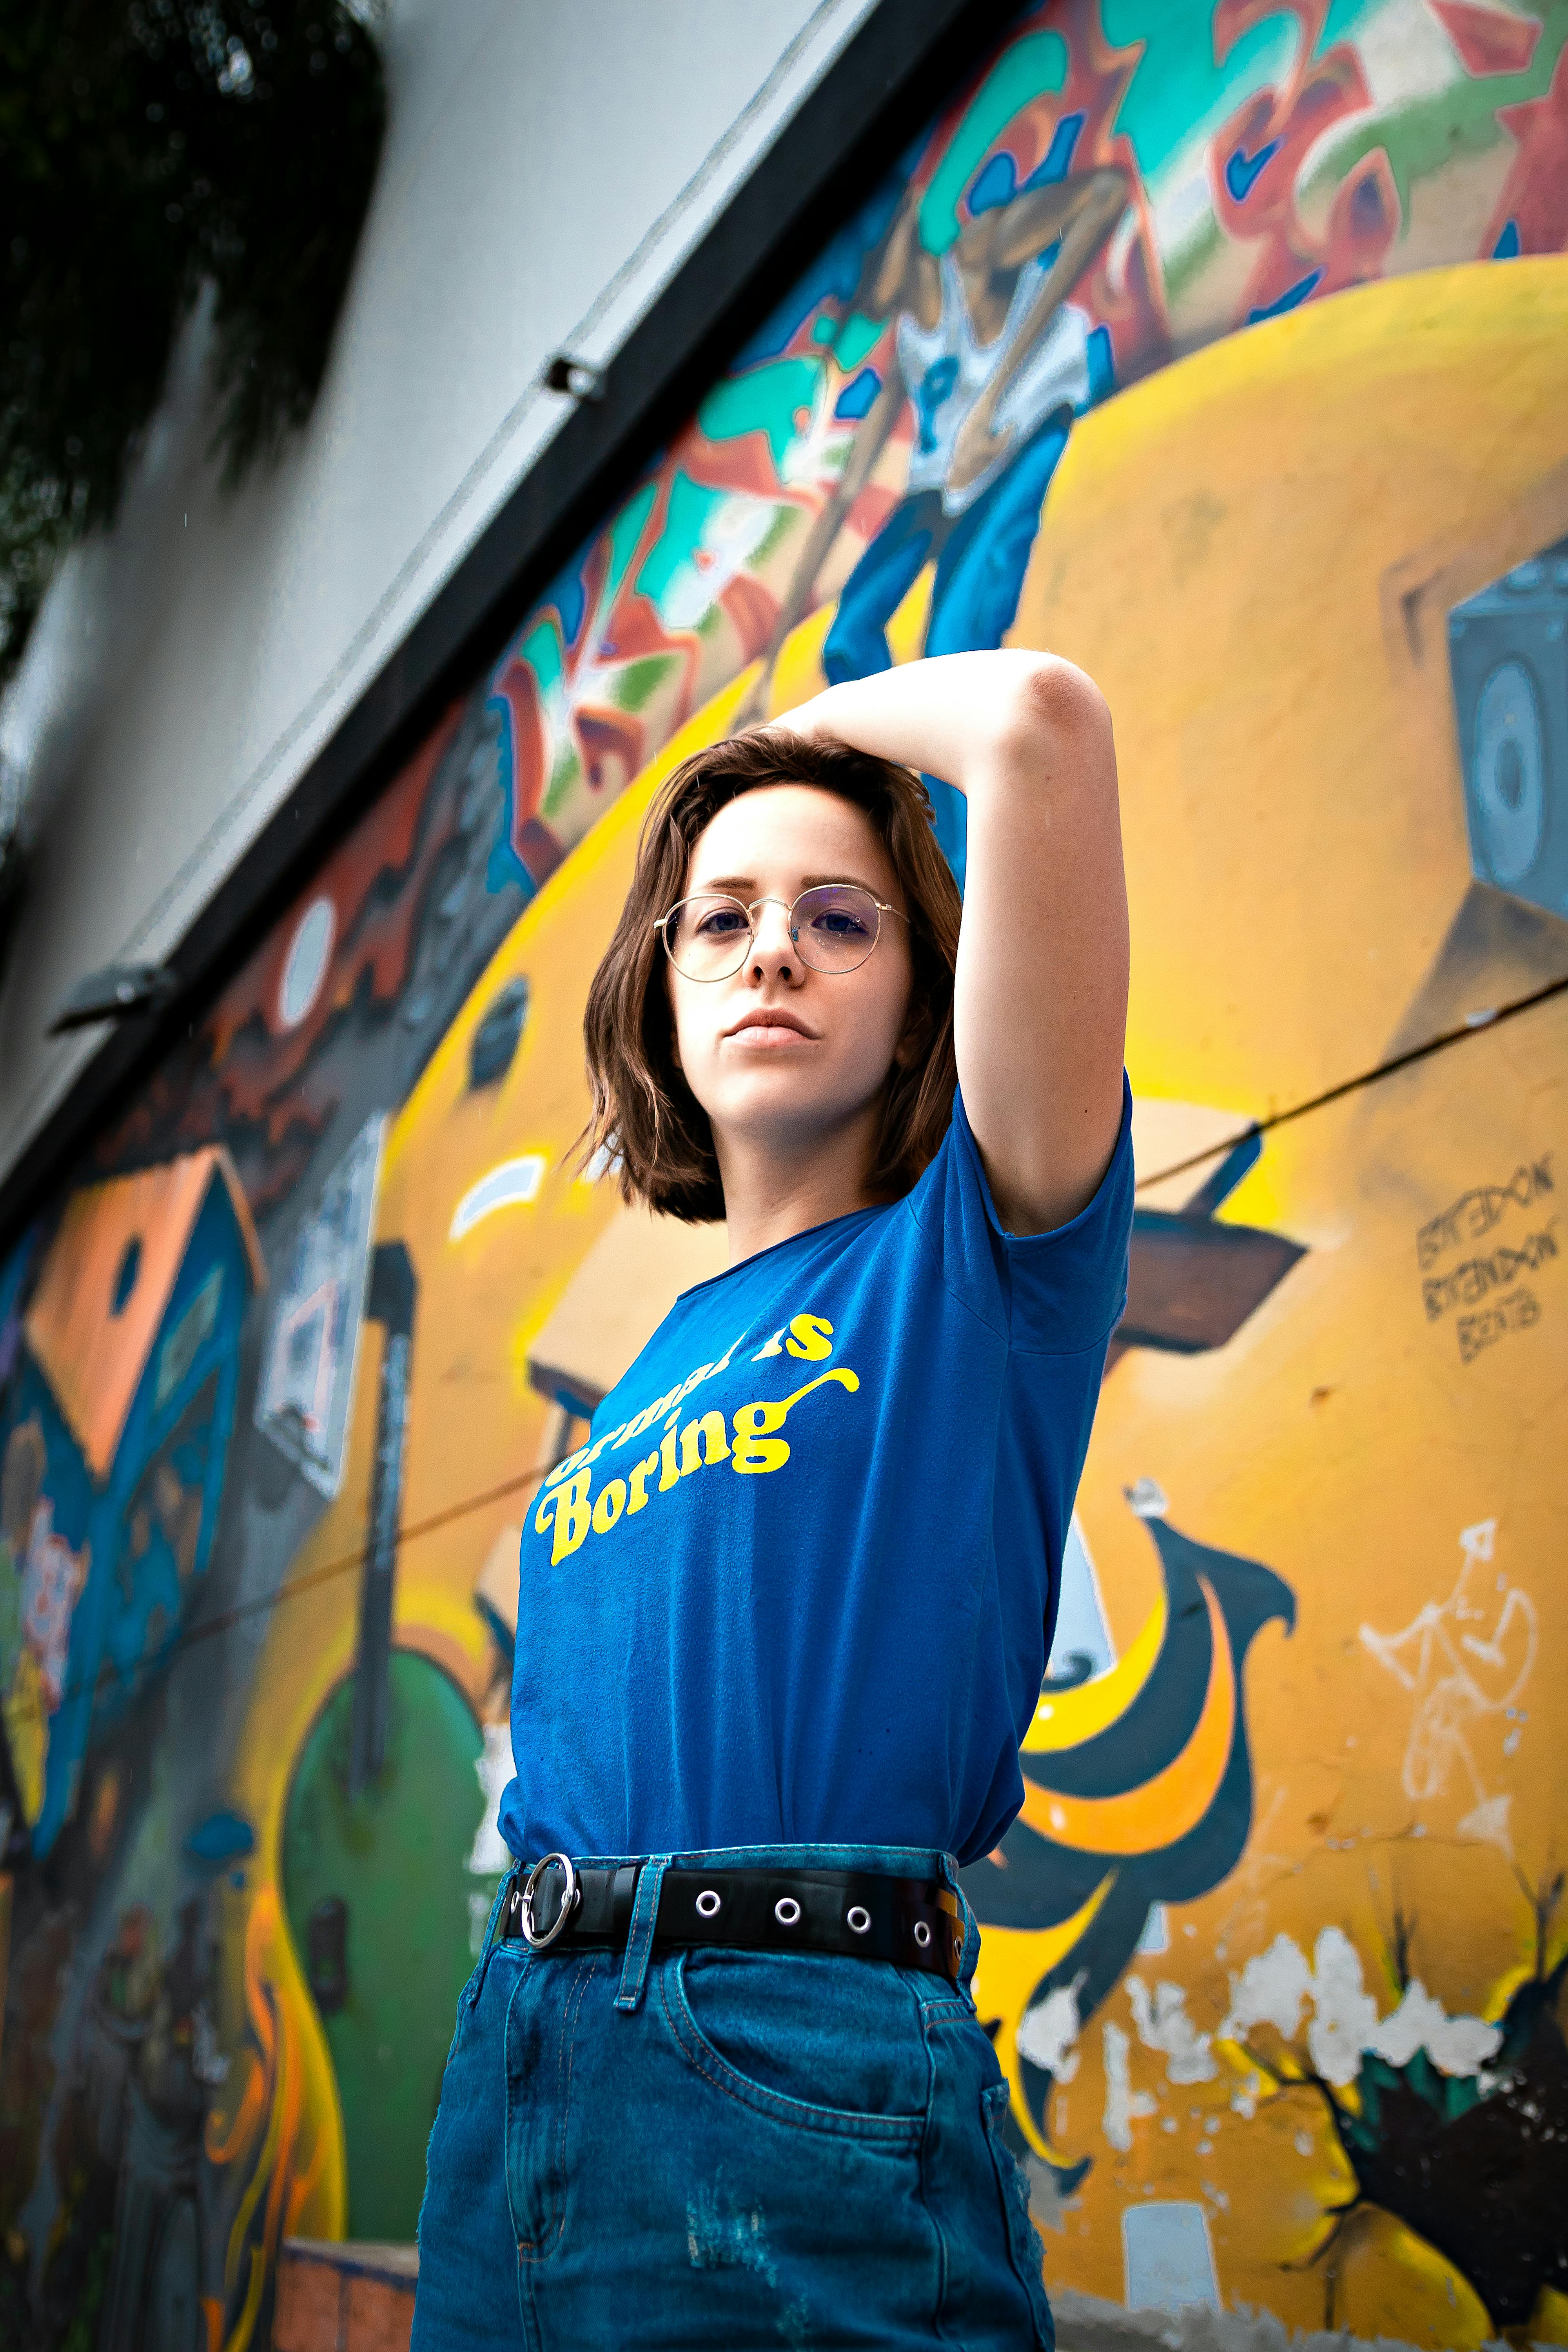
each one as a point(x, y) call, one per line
point(645, 1114)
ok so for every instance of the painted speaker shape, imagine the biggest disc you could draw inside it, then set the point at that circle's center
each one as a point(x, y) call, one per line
point(1508, 658)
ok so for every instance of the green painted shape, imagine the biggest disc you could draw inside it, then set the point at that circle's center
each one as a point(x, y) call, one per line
point(1032, 65)
point(626, 531)
point(823, 328)
point(1424, 135)
point(691, 504)
point(398, 1858)
point(763, 400)
point(542, 650)
point(632, 687)
point(1178, 93)
point(855, 337)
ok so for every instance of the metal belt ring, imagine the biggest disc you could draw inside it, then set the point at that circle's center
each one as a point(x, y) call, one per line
point(568, 1902)
point(707, 1903)
point(786, 1911)
point(922, 1934)
point(858, 1919)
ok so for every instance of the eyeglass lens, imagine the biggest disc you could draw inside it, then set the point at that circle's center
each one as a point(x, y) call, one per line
point(833, 927)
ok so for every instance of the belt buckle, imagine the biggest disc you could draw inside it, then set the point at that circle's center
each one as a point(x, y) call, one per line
point(568, 1902)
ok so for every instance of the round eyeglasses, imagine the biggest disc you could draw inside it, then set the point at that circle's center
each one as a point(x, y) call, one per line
point(833, 927)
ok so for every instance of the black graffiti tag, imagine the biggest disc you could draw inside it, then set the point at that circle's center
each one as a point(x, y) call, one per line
point(1470, 1284)
point(1517, 1312)
point(1475, 1214)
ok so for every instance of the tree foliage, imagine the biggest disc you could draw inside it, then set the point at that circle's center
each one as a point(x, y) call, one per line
point(149, 148)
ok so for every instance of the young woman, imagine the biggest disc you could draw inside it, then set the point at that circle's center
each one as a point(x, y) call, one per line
point(717, 2078)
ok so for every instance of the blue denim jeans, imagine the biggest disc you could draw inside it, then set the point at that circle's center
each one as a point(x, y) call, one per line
point(706, 2147)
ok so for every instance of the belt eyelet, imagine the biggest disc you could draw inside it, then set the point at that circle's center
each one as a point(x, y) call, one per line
point(858, 1919)
point(709, 1904)
point(922, 1934)
point(786, 1911)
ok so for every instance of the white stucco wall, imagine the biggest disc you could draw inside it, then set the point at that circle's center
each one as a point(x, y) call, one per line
point(547, 169)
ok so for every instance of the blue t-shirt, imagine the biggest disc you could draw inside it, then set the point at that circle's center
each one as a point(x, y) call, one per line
point(800, 1583)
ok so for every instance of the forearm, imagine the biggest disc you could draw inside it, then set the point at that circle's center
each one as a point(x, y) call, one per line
point(1040, 1000)
point(971, 718)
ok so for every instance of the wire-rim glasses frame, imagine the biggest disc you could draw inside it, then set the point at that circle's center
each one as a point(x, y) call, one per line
point(822, 900)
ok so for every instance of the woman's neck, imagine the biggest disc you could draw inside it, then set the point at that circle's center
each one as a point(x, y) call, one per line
point(776, 1187)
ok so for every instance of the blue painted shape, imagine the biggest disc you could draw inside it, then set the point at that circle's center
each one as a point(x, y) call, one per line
point(834, 275)
point(570, 599)
point(130, 1267)
point(127, 1616)
point(1169, 2262)
point(220, 1840)
point(1242, 170)
point(1507, 247)
point(1291, 299)
point(1223, 1181)
point(857, 396)
point(1057, 160)
point(931, 392)
point(1101, 357)
point(996, 185)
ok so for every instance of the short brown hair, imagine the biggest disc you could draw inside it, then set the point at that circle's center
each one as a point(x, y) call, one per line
point(643, 1112)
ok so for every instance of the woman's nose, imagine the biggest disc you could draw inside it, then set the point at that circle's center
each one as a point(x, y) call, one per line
point(772, 946)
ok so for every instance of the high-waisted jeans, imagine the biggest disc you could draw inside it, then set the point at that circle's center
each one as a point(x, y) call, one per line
point(792, 2148)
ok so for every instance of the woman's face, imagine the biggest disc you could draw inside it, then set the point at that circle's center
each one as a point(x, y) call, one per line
point(780, 1054)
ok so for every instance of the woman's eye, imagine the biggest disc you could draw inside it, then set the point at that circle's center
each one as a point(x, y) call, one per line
point(839, 923)
point(720, 923)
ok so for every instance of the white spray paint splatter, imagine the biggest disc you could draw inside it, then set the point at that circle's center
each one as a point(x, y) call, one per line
point(1048, 2031)
point(1275, 1987)
point(1124, 2106)
point(1163, 2024)
point(493, 1770)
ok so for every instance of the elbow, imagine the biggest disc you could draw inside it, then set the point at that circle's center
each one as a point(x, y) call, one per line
point(1055, 705)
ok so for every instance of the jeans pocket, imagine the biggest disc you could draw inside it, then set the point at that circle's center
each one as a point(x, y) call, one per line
point(1023, 2245)
point(776, 2032)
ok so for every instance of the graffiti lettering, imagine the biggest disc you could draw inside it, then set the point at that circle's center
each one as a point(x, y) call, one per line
point(1517, 1312)
point(1474, 1214)
point(1468, 1283)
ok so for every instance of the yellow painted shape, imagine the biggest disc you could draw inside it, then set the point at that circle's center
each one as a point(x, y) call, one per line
point(1166, 1807)
point(1010, 1964)
point(1216, 550)
point(1549, 2320)
point(906, 632)
point(798, 673)
point(1067, 1719)
point(1392, 2283)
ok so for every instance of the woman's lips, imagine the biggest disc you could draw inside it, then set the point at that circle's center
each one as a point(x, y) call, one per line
point(768, 1036)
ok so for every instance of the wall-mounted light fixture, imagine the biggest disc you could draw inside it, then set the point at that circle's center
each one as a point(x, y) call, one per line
point(115, 993)
point(580, 379)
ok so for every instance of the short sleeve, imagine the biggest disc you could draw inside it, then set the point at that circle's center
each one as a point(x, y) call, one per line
point(1047, 1294)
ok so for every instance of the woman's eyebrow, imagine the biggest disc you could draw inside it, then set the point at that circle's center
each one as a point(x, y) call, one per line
point(736, 883)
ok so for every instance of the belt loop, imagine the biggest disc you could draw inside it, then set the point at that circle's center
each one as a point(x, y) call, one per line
point(639, 1935)
point(498, 1910)
point(968, 1936)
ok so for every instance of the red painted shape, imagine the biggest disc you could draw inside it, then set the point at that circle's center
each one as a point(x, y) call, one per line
point(1488, 41)
point(1535, 193)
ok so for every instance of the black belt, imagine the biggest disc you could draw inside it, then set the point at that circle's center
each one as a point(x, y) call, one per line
point(913, 1921)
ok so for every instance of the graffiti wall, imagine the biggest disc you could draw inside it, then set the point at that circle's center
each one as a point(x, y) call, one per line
point(1217, 344)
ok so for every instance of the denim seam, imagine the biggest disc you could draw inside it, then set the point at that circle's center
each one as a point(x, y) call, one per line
point(927, 2205)
point(993, 2111)
point(528, 2248)
point(899, 2132)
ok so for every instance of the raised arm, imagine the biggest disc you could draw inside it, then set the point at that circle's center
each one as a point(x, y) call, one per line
point(1041, 1010)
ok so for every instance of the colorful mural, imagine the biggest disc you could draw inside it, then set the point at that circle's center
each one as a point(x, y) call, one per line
point(1218, 345)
